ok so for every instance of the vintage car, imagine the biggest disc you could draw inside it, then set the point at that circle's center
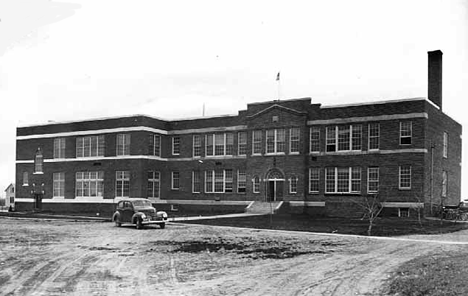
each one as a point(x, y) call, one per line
point(138, 211)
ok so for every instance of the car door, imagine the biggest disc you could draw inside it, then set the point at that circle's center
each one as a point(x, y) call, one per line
point(127, 212)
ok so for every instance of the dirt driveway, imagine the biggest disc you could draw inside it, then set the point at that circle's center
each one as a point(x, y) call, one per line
point(39, 257)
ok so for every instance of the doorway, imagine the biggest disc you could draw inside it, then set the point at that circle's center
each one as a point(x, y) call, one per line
point(37, 201)
point(275, 185)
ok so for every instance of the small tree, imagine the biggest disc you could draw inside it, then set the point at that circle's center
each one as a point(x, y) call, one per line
point(372, 207)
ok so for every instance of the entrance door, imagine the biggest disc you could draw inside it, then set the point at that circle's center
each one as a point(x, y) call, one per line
point(37, 201)
point(275, 190)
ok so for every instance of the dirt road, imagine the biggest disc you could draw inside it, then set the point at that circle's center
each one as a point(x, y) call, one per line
point(39, 257)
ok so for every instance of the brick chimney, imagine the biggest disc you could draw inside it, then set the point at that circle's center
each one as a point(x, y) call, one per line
point(434, 82)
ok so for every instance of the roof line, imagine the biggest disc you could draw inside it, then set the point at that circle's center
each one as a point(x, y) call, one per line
point(374, 102)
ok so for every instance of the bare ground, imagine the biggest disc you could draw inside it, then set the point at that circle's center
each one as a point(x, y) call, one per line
point(40, 257)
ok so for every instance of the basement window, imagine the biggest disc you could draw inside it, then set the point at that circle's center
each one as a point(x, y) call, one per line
point(403, 212)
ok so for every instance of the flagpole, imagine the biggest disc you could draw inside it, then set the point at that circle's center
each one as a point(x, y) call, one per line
point(279, 85)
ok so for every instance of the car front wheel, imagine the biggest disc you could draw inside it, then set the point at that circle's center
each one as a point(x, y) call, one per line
point(162, 225)
point(139, 224)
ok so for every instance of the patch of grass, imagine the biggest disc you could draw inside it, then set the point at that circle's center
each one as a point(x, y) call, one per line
point(439, 274)
point(382, 227)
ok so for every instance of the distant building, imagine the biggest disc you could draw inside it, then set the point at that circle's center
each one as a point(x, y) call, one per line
point(316, 159)
point(10, 196)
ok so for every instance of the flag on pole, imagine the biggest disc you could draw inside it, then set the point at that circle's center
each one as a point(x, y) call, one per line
point(278, 76)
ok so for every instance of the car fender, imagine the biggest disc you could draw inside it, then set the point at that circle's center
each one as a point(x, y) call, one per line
point(161, 214)
point(136, 216)
point(115, 216)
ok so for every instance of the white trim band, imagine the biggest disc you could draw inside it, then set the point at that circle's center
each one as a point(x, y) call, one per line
point(307, 203)
point(368, 118)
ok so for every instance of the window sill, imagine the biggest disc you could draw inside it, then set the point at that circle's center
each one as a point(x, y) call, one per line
point(38, 173)
point(342, 193)
point(294, 153)
point(25, 185)
point(275, 154)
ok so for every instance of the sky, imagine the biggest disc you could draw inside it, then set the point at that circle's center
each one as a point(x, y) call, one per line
point(62, 61)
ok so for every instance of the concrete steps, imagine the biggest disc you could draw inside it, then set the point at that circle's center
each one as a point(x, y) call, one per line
point(260, 207)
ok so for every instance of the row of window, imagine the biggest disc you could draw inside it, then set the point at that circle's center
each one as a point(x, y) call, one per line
point(338, 138)
point(337, 180)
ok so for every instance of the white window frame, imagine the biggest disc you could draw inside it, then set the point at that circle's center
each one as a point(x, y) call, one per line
point(335, 141)
point(317, 179)
point(445, 145)
point(176, 145)
point(444, 184)
point(400, 175)
point(198, 175)
point(85, 178)
point(210, 179)
point(239, 181)
point(39, 162)
point(123, 145)
point(154, 179)
point(314, 130)
point(275, 142)
point(58, 183)
point(373, 180)
point(372, 136)
point(122, 178)
point(197, 146)
point(25, 179)
point(225, 137)
point(242, 145)
point(173, 179)
point(99, 142)
point(295, 140)
point(59, 148)
point(404, 133)
point(258, 142)
point(350, 180)
point(156, 145)
point(256, 184)
point(293, 182)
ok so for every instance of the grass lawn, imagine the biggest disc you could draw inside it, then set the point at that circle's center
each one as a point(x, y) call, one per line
point(383, 226)
point(439, 274)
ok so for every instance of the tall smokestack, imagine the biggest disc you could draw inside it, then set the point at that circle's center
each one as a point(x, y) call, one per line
point(434, 82)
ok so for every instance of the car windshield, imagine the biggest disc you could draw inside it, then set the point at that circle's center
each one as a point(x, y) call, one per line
point(141, 203)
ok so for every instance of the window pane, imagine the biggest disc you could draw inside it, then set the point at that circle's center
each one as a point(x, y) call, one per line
point(241, 181)
point(314, 178)
point(314, 139)
point(343, 138)
point(356, 137)
point(196, 145)
point(374, 136)
point(280, 140)
point(270, 141)
point(219, 181)
point(330, 180)
point(229, 143)
point(343, 179)
point(294, 139)
point(331, 139)
point(209, 145)
point(257, 142)
point(242, 143)
point(219, 144)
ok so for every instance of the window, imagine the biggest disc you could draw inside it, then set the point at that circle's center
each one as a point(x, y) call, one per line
point(444, 183)
point(344, 138)
point(196, 184)
point(25, 179)
point(196, 145)
point(242, 143)
point(275, 141)
point(91, 146)
point(257, 142)
point(405, 132)
point(175, 180)
point(293, 184)
point(123, 144)
point(405, 177)
point(219, 181)
point(209, 181)
point(256, 184)
point(374, 136)
point(122, 183)
point(155, 145)
point(241, 181)
point(314, 178)
point(445, 148)
point(175, 145)
point(58, 184)
point(38, 161)
point(219, 144)
point(154, 184)
point(372, 180)
point(403, 212)
point(89, 184)
point(229, 143)
point(314, 139)
point(343, 180)
point(59, 148)
point(294, 138)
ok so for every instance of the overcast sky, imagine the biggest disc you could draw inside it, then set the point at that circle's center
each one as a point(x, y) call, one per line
point(92, 58)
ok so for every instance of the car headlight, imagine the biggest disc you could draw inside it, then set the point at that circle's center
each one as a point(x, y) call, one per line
point(143, 216)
